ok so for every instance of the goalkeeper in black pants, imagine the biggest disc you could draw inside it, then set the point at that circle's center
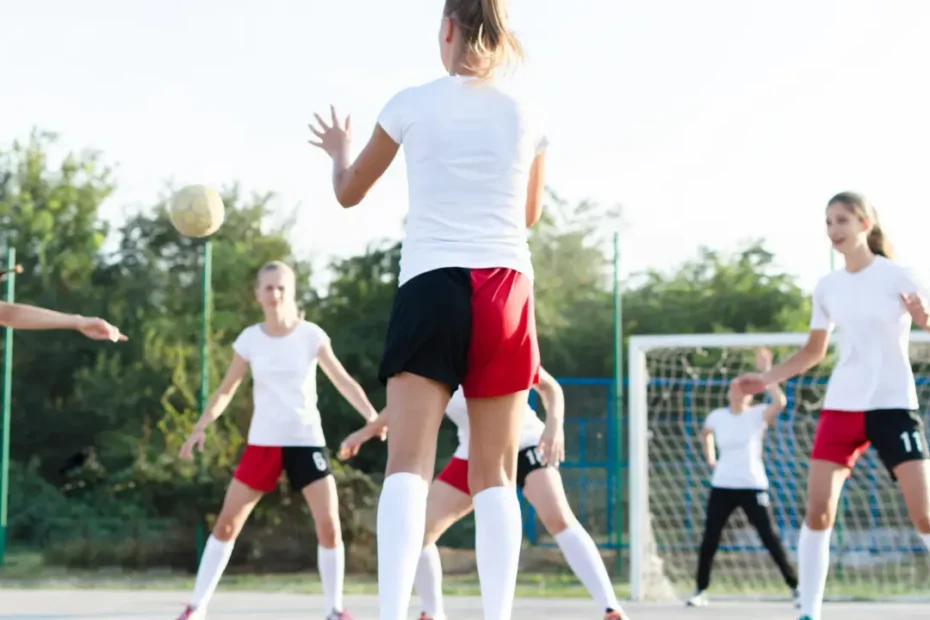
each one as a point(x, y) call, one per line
point(739, 479)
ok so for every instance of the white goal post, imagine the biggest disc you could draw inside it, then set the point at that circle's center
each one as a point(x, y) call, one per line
point(674, 382)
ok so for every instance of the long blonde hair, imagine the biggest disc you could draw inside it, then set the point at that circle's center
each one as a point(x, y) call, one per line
point(486, 34)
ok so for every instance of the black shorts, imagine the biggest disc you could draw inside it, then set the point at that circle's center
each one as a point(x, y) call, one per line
point(897, 434)
point(528, 461)
point(435, 316)
point(260, 467)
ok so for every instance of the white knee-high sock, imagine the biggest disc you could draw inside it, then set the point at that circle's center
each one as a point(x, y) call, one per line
point(498, 536)
point(583, 558)
point(813, 566)
point(401, 526)
point(212, 564)
point(332, 566)
point(428, 582)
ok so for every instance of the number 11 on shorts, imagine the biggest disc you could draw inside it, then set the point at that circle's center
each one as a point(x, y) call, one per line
point(910, 445)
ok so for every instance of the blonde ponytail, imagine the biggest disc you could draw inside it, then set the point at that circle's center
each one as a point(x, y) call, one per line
point(489, 42)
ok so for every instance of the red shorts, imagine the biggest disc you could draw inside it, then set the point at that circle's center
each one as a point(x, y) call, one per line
point(455, 474)
point(897, 434)
point(260, 467)
point(470, 327)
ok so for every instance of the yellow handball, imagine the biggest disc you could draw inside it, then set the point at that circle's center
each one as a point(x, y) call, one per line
point(197, 211)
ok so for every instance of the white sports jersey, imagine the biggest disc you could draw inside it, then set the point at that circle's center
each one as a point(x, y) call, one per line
point(469, 149)
point(872, 332)
point(458, 412)
point(284, 385)
point(739, 445)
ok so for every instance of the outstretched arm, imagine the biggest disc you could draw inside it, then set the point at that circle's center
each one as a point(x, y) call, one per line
point(345, 384)
point(779, 401)
point(552, 442)
point(22, 316)
point(216, 405)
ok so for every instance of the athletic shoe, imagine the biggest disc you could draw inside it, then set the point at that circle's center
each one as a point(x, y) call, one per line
point(339, 615)
point(423, 616)
point(614, 614)
point(796, 595)
point(190, 613)
point(698, 600)
point(805, 618)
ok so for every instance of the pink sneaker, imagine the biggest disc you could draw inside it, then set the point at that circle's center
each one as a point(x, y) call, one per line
point(339, 615)
point(190, 613)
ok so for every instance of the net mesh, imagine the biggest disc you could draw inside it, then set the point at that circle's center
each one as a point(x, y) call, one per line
point(876, 552)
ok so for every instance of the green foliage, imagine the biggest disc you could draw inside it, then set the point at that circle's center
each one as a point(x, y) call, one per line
point(97, 427)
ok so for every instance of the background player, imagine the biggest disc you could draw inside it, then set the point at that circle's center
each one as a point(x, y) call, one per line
point(285, 434)
point(475, 171)
point(541, 449)
point(739, 480)
point(871, 396)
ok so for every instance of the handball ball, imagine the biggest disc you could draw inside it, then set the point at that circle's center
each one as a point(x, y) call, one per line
point(197, 211)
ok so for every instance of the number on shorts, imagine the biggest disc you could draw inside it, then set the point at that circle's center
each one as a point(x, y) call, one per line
point(534, 457)
point(909, 444)
point(319, 460)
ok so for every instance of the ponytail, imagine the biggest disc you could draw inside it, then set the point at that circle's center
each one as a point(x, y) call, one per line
point(878, 243)
point(861, 208)
point(489, 42)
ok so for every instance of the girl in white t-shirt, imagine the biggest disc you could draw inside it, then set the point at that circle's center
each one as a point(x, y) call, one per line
point(871, 397)
point(285, 435)
point(541, 449)
point(463, 314)
point(732, 439)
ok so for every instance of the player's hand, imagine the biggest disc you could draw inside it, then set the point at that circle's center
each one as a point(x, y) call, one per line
point(763, 359)
point(196, 438)
point(552, 444)
point(334, 138)
point(712, 465)
point(351, 444)
point(752, 383)
point(98, 329)
point(917, 308)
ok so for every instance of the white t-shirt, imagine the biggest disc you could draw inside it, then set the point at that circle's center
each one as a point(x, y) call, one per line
point(872, 332)
point(458, 412)
point(284, 385)
point(739, 448)
point(469, 149)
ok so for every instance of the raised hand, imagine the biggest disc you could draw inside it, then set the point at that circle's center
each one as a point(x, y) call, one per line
point(763, 359)
point(751, 383)
point(917, 308)
point(334, 138)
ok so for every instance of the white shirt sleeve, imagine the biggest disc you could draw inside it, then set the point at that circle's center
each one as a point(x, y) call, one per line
point(394, 116)
point(711, 421)
point(912, 283)
point(820, 318)
point(241, 344)
point(758, 415)
point(318, 337)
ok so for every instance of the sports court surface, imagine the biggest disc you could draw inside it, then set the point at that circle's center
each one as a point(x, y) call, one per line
point(149, 605)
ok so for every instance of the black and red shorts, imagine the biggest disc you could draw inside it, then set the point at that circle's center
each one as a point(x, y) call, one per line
point(260, 467)
point(470, 327)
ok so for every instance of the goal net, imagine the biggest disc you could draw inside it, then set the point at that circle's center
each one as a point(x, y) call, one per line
point(675, 381)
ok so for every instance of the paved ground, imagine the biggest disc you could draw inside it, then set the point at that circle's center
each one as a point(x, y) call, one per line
point(149, 605)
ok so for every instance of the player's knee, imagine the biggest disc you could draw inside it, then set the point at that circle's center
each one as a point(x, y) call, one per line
point(328, 533)
point(226, 529)
point(487, 475)
point(819, 517)
point(555, 522)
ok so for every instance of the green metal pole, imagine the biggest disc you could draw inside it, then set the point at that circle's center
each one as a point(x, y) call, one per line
point(206, 298)
point(618, 406)
point(7, 402)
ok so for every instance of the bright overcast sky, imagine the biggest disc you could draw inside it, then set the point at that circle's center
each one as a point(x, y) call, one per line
point(710, 121)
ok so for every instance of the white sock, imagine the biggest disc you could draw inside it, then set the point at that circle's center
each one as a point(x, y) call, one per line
point(428, 582)
point(583, 558)
point(401, 526)
point(212, 564)
point(498, 536)
point(813, 566)
point(926, 539)
point(332, 566)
